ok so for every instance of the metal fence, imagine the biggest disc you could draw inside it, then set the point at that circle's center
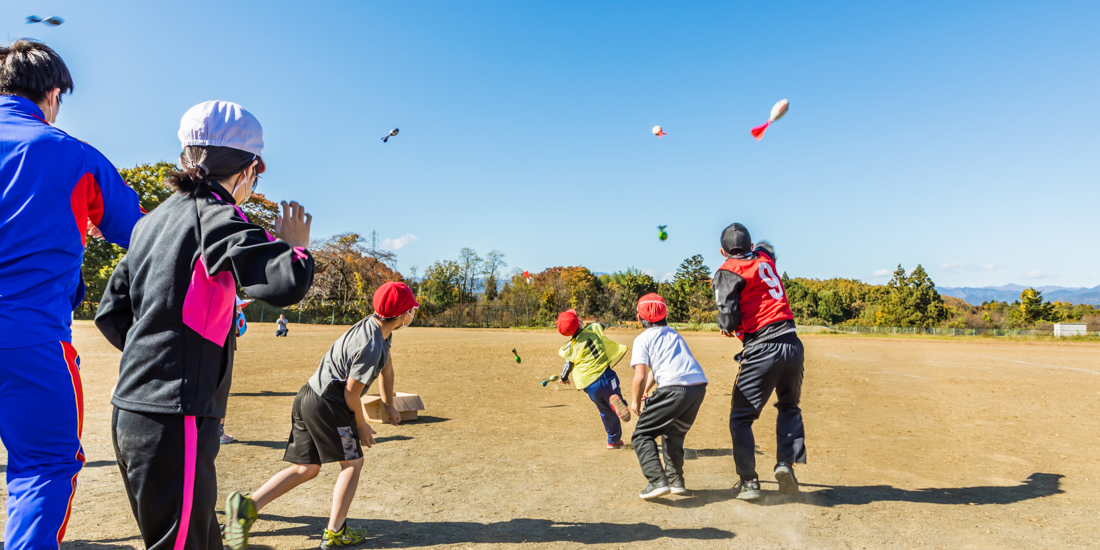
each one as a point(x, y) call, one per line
point(930, 331)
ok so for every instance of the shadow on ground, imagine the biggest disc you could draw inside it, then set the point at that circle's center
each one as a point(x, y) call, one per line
point(113, 544)
point(265, 394)
point(408, 534)
point(694, 454)
point(1035, 486)
point(281, 444)
point(424, 420)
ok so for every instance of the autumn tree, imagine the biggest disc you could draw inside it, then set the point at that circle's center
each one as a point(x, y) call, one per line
point(347, 272)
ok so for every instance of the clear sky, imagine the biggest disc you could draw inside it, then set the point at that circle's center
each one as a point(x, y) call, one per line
point(959, 135)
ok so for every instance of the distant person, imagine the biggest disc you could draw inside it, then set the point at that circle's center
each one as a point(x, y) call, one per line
point(328, 423)
point(661, 354)
point(280, 326)
point(753, 307)
point(52, 186)
point(169, 307)
point(589, 358)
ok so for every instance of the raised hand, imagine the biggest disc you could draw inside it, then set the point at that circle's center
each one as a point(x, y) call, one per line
point(293, 225)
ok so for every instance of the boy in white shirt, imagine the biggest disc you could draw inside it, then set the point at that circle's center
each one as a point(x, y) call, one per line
point(671, 409)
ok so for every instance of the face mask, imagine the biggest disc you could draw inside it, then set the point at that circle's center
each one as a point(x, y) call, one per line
point(238, 186)
point(412, 317)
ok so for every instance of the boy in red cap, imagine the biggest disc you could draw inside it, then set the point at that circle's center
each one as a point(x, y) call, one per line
point(753, 307)
point(589, 358)
point(670, 411)
point(328, 423)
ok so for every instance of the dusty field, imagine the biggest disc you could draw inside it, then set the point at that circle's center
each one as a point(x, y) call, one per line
point(912, 443)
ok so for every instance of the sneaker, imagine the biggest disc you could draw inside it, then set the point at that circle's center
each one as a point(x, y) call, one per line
point(784, 474)
point(240, 514)
point(346, 536)
point(616, 445)
point(226, 438)
point(620, 408)
point(747, 489)
point(654, 490)
point(677, 486)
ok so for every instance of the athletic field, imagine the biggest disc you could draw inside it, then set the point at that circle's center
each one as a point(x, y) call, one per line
point(913, 443)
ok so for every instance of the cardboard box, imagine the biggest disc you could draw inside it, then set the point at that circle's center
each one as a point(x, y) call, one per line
point(406, 403)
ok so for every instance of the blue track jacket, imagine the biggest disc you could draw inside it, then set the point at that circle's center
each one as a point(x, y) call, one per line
point(51, 186)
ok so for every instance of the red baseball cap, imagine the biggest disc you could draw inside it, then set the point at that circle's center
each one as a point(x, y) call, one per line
point(568, 322)
point(652, 308)
point(393, 299)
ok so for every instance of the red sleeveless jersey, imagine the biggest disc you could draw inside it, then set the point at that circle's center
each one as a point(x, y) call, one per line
point(763, 300)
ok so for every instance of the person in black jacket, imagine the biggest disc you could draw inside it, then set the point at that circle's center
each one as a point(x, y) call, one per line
point(169, 306)
point(752, 306)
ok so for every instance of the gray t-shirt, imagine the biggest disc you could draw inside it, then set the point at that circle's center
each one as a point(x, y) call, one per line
point(281, 323)
point(360, 353)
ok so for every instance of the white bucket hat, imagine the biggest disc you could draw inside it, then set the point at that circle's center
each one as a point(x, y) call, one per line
point(221, 124)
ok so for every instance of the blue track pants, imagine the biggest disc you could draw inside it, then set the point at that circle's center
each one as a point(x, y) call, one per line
point(600, 392)
point(41, 417)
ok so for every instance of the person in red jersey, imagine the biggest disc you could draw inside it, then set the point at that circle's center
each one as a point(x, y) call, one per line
point(753, 307)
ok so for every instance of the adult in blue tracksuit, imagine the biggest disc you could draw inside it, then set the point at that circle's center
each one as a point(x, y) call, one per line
point(51, 187)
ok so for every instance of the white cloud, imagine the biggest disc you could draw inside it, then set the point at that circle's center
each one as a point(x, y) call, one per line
point(1037, 275)
point(657, 276)
point(882, 272)
point(398, 243)
point(968, 266)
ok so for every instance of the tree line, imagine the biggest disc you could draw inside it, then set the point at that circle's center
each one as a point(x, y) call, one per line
point(348, 271)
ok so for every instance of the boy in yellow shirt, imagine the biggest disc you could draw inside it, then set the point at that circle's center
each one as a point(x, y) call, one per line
point(589, 358)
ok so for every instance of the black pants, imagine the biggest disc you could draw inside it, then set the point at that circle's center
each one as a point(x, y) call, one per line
point(775, 365)
point(668, 413)
point(167, 464)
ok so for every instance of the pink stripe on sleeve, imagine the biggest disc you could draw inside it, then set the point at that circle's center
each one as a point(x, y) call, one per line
point(300, 253)
point(190, 442)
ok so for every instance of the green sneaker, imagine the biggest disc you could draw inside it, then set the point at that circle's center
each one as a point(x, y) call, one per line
point(240, 514)
point(346, 536)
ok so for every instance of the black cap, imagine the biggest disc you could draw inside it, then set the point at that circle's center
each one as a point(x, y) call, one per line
point(736, 239)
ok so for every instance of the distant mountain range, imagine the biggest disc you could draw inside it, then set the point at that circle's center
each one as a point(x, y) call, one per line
point(1011, 293)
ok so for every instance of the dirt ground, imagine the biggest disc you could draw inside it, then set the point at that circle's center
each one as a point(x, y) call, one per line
point(913, 443)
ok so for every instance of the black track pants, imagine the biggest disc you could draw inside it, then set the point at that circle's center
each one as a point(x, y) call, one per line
point(775, 365)
point(167, 464)
point(668, 413)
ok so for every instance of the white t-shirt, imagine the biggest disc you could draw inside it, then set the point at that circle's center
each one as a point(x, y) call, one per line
point(666, 352)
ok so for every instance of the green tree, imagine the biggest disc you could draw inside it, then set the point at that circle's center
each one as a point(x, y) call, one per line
point(442, 284)
point(830, 307)
point(619, 297)
point(100, 256)
point(912, 301)
point(689, 296)
point(1032, 307)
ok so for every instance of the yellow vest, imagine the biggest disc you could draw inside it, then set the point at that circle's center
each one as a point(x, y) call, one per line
point(591, 353)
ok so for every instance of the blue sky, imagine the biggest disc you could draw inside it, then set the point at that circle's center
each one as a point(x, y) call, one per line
point(961, 136)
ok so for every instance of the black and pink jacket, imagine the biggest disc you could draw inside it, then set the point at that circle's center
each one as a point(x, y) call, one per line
point(169, 303)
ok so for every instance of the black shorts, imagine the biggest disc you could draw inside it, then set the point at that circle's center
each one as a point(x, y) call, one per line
point(321, 431)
